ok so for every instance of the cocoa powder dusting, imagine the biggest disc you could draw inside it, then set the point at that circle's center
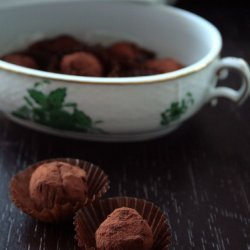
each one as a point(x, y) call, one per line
point(124, 229)
point(58, 183)
point(81, 63)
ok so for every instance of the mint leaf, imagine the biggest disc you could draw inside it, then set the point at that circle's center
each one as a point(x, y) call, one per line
point(176, 110)
point(56, 98)
point(28, 101)
point(165, 120)
point(39, 115)
point(24, 113)
point(39, 97)
point(81, 119)
point(61, 119)
point(52, 110)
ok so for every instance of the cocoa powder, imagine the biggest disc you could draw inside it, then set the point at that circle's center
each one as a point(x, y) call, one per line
point(124, 229)
point(81, 63)
point(58, 183)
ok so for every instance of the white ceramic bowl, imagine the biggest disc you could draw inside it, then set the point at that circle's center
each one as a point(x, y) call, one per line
point(113, 109)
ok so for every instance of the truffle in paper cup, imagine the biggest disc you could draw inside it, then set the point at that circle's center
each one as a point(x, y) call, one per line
point(97, 182)
point(88, 219)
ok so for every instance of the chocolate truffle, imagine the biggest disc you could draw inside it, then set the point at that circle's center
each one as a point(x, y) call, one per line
point(21, 60)
point(58, 183)
point(63, 44)
point(129, 52)
point(163, 65)
point(81, 63)
point(58, 45)
point(124, 229)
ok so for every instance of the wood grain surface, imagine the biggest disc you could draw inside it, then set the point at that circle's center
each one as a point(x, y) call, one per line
point(199, 175)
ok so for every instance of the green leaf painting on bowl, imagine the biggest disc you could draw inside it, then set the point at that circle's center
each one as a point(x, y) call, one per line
point(176, 110)
point(52, 110)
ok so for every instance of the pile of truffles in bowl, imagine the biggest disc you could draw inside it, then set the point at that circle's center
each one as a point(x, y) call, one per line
point(67, 55)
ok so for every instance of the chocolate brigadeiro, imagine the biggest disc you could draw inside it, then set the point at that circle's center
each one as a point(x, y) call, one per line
point(53, 190)
point(122, 223)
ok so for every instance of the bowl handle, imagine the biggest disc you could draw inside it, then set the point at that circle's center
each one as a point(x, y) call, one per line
point(240, 66)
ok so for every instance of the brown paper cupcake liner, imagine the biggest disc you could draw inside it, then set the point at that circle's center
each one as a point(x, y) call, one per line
point(88, 219)
point(97, 181)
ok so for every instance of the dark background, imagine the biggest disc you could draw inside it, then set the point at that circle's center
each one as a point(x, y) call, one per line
point(199, 175)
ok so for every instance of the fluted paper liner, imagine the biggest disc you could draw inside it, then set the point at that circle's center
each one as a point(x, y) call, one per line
point(97, 181)
point(88, 219)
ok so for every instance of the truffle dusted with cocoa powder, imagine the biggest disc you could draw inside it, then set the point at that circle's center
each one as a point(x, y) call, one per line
point(46, 50)
point(21, 60)
point(64, 44)
point(58, 45)
point(58, 183)
point(128, 52)
point(124, 229)
point(81, 63)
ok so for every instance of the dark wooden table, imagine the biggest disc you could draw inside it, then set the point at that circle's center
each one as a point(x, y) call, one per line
point(199, 175)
